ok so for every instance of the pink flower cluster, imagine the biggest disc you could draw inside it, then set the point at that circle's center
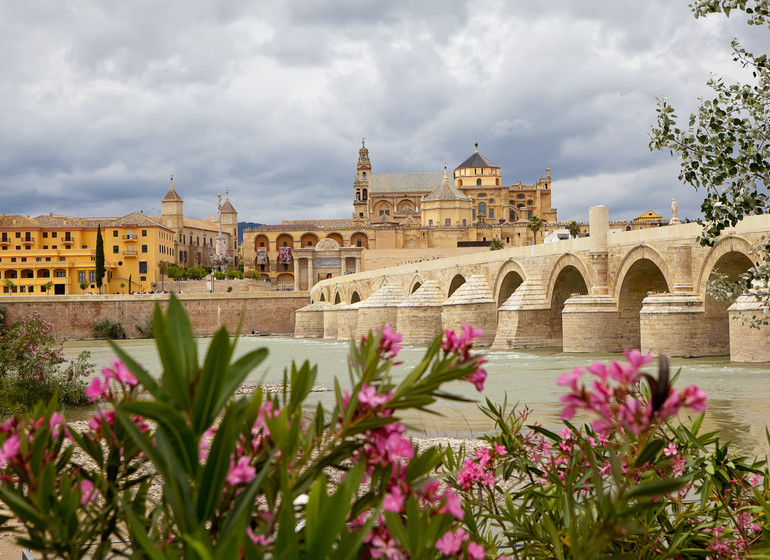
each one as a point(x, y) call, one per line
point(451, 544)
point(118, 374)
point(615, 396)
point(461, 345)
point(480, 468)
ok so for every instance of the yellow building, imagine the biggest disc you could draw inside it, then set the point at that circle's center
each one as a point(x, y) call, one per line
point(57, 254)
point(649, 218)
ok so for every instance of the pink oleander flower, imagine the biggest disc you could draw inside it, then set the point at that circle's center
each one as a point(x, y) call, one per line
point(96, 389)
point(87, 492)
point(478, 377)
point(241, 472)
point(389, 347)
point(452, 505)
point(120, 373)
point(10, 449)
point(394, 500)
point(476, 551)
point(451, 541)
point(670, 450)
point(368, 396)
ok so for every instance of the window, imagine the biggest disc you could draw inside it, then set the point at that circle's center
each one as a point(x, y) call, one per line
point(54, 234)
point(45, 235)
point(116, 249)
point(430, 222)
point(60, 274)
point(92, 276)
point(529, 203)
point(18, 235)
point(45, 247)
point(144, 248)
point(82, 276)
point(478, 182)
point(13, 259)
point(464, 222)
point(23, 259)
point(143, 279)
point(38, 259)
point(448, 222)
point(82, 247)
point(358, 242)
point(385, 212)
point(482, 209)
point(520, 196)
point(491, 200)
point(491, 212)
point(114, 233)
point(507, 239)
point(144, 233)
point(482, 195)
point(142, 267)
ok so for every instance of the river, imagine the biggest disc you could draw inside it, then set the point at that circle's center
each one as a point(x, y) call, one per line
point(738, 403)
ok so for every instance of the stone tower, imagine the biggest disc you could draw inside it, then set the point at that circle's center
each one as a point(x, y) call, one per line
point(361, 185)
point(229, 220)
point(171, 210)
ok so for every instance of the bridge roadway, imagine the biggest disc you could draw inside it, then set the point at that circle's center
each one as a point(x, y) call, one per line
point(635, 289)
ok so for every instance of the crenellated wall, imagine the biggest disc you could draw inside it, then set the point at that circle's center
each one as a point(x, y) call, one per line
point(635, 289)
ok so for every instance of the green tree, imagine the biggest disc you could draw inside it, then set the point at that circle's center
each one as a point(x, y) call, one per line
point(129, 284)
point(535, 224)
point(47, 286)
point(99, 258)
point(574, 228)
point(84, 286)
point(10, 285)
point(163, 268)
point(724, 149)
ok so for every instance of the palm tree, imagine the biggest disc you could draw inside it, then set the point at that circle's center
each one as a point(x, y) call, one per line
point(535, 224)
point(162, 268)
point(574, 228)
point(47, 287)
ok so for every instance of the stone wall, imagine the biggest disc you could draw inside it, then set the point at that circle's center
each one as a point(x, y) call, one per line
point(74, 316)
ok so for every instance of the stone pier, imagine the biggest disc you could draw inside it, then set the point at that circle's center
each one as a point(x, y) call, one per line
point(379, 309)
point(309, 320)
point(419, 315)
point(523, 320)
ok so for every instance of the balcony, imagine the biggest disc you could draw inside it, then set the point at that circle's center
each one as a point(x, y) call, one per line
point(27, 241)
point(5, 242)
point(130, 253)
point(130, 238)
point(67, 241)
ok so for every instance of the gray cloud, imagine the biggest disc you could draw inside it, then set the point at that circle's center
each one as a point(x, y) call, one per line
point(101, 101)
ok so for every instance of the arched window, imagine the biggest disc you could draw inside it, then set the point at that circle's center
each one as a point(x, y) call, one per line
point(363, 175)
point(482, 208)
point(478, 182)
point(365, 194)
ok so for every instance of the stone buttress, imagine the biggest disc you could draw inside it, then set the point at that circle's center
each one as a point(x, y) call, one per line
point(472, 303)
point(419, 315)
point(523, 319)
point(380, 308)
point(309, 320)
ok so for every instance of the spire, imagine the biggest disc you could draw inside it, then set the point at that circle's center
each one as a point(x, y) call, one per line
point(172, 182)
point(363, 156)
point(476, 145)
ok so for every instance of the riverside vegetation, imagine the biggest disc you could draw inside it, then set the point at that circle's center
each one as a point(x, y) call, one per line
point(33, 367)
point(266, 476)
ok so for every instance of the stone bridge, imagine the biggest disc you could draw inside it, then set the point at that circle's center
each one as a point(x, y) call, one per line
point(635, 289)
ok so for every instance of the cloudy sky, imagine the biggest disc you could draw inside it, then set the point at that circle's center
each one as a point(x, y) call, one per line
point(100, 101)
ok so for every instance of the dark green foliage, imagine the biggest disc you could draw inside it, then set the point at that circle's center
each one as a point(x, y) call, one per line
point(100, 270)
point(107, 328)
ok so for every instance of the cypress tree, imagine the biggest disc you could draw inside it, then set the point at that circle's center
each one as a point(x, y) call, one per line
point(99, 258)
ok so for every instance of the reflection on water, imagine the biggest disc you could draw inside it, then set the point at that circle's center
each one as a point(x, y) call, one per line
point(738, 406)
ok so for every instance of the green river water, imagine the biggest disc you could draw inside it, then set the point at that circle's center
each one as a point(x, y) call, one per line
point(738, 404)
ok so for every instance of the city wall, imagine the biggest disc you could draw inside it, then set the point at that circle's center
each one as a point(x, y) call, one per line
point(73, 317)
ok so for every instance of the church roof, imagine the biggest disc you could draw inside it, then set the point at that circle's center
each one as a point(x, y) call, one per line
point(228, 207)
point(445, 191)
point(403, 182)
point(476, 160)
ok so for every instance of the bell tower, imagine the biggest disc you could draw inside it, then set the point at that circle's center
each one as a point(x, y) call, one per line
point(361, 185)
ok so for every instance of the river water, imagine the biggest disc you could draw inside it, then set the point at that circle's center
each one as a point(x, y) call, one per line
point(738, 403)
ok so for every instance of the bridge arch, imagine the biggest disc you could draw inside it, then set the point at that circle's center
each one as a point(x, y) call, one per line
point(417, 281)
point(642, 271)
point(729, 251)
point(509, 277)
point(457, 281)
point(573, 262)
point(354, 297)
point(337, 298)
point(568, 277)
point(641, 252)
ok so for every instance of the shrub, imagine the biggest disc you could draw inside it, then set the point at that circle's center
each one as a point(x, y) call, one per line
point(107, 328)
point(196, 272)
point(229, 289)
point(234, 274)
point(219, 275)
point(145, 331)
point(31, 368)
